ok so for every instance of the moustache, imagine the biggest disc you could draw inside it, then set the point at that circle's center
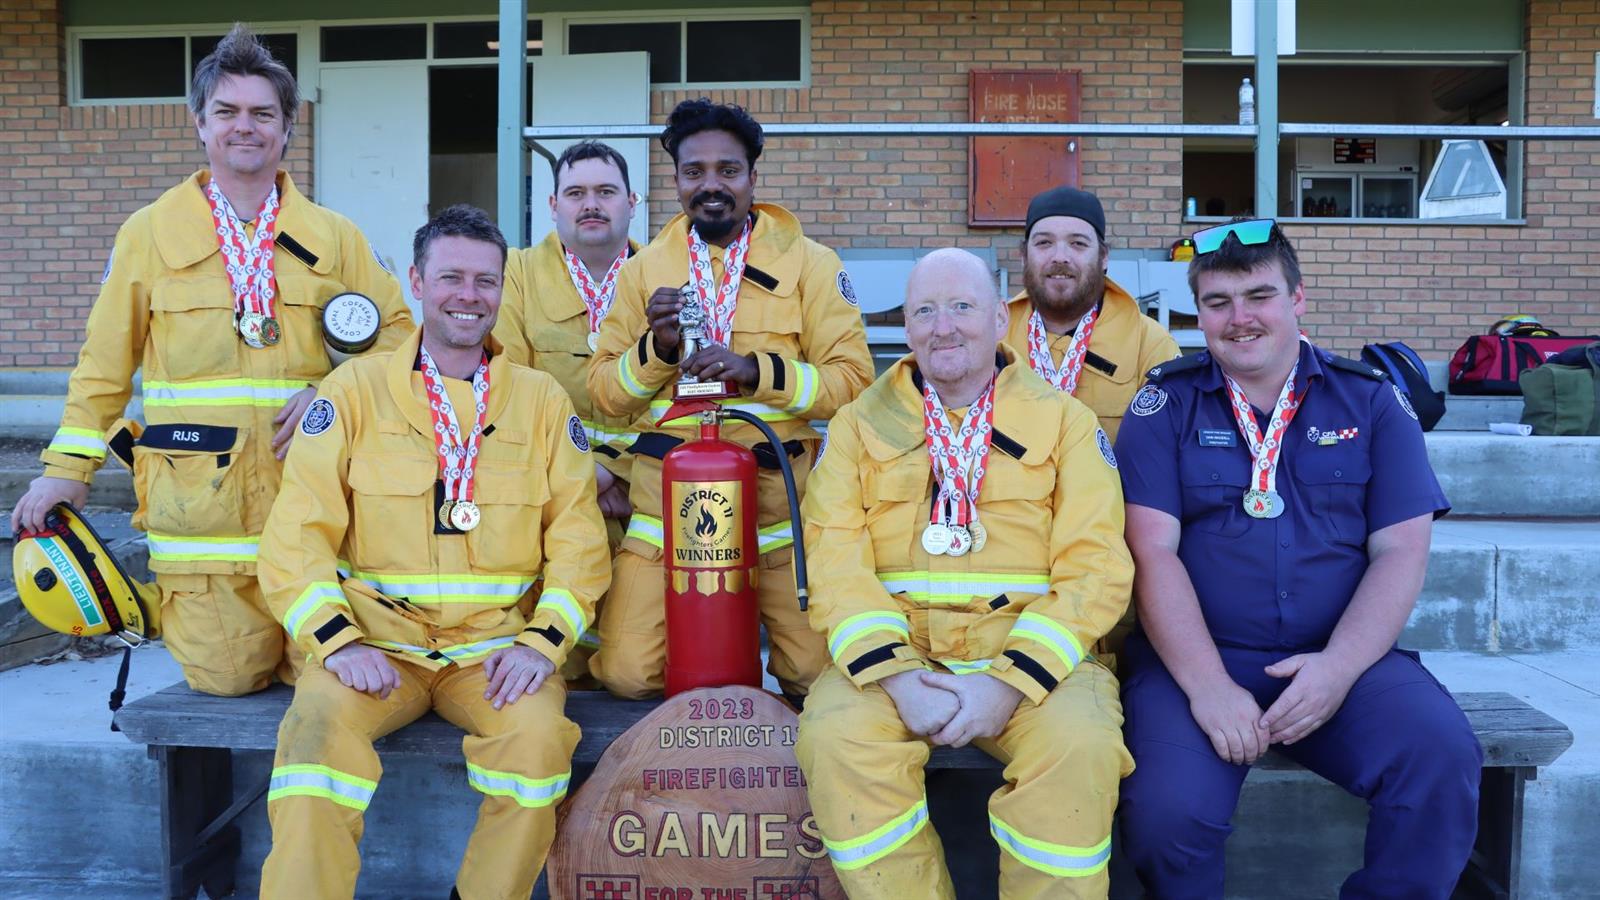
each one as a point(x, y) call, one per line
point(704, 197)
point(597, 217)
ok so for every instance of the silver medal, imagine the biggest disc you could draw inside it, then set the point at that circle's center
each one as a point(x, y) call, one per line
point(250, 325)
point(936, 539)
point(960, 540)
point(465, 515)
point(1263, 504)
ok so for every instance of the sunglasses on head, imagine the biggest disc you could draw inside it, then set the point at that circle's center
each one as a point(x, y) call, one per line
point(1253, 231)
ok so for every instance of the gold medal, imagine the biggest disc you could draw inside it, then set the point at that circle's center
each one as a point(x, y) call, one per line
point(980, 535)
point(465, 516)
point(271, 331)
point(594, 341)
point(444, 513)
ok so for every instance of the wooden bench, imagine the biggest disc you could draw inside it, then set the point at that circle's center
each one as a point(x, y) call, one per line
point(191, 736)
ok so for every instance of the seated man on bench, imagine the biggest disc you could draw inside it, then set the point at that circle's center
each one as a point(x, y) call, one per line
point(1280, 505)
point(429, 490)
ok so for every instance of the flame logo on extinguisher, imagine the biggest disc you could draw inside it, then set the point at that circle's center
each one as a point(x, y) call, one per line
point(705, 530)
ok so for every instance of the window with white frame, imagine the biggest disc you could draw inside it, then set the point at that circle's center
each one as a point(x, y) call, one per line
point(765, 50)
point(154, 67)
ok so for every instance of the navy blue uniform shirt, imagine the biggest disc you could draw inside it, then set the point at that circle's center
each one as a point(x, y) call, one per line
point(1353, 462)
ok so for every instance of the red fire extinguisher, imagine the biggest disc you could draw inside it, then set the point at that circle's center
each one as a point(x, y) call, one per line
point(713, 558)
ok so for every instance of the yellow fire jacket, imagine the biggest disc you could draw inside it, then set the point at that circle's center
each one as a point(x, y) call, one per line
point(544, 325)
point(165, 306)
point(1125, 345)
point(351, 551)
point(797, 314)
point(1053, 578)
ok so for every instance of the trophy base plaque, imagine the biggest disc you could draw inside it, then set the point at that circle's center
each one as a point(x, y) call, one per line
point(704, 390)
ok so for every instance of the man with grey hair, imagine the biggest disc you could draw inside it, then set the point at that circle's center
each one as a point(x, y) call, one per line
point(964, 535)
point(217, 291)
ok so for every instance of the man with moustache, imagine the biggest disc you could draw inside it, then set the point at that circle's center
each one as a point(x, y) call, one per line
point(430, 489)
point(964, 533)
point(1076, 328)
point(556, 296)
point(1279, 506)
point(782, 325)
point(216, 292)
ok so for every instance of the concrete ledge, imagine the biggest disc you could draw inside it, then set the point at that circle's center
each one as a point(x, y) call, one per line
point(1475, 413)
point(1517, 477)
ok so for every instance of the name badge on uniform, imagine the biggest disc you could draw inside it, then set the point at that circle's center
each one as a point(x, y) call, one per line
point(1218, 437)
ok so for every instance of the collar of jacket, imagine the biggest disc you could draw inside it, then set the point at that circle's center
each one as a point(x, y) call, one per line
point(185, 236)
point(891, 424)
point(561, 301)
point(403, 361)
point(777, 245)
point(1116, 332)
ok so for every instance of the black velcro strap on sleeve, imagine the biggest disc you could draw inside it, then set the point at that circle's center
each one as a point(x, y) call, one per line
point(331, 628)
point(604, 450)
point(204, 438)
point(873, 657)
point(122, 444)
point(779, 372)
point(766, 459)
point(549, 633)
point(297, 250)
point(654, 444)
point(1097, 361)
point(1007, 444)
point(1032, 668)
point(761, 279)
point(999, 601)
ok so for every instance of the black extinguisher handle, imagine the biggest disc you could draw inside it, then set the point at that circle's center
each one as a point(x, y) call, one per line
point(800, 589)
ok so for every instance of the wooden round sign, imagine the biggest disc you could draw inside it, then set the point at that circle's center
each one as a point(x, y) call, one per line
point(702, 799)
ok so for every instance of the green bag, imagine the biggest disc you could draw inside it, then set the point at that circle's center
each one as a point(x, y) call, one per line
point(1561, 399)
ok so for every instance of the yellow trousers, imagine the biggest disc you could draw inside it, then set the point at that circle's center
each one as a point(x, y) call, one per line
point(325, 772)
point(220, 631)
point(1063, 761)
point(631, 661)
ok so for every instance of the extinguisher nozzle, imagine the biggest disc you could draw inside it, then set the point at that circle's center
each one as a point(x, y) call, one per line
point(805, 599)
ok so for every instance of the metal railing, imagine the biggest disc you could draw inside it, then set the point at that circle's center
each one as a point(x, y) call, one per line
point(1097, 129)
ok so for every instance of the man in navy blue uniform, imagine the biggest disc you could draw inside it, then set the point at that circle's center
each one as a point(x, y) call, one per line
point(1279, 510)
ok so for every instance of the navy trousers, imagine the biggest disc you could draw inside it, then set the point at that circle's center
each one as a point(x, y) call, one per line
point(1399, 742)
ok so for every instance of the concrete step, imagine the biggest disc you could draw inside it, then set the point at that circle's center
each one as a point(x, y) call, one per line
point(1504, 476)
point(38, 414)
point(63, 772)
point(1476, 413)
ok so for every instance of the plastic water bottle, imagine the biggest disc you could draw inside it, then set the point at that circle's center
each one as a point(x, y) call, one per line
point(1247, 103)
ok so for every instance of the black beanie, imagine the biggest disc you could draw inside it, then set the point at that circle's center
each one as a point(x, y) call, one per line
point(1067, 201)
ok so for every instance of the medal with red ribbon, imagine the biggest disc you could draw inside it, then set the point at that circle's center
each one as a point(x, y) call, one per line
point(458, 453)
point(1066, 377)
point(249, 262)
point(958, 458)
point(718, 301)
point(1262, 500)
point(596, 299)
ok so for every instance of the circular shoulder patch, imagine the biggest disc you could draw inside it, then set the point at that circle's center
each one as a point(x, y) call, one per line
point(382, 263)
point(1148, 401)
point(318, 418)
point(1405, 402)
point(846, 289)
point(580, 438)
point(1105, 447)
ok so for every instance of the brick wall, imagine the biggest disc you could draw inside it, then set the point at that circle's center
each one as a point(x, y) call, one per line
point(69, 176)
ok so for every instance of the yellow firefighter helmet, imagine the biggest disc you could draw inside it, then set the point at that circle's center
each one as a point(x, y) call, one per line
point(71, 583)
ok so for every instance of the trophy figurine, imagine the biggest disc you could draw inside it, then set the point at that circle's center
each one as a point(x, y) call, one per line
point(691, 337)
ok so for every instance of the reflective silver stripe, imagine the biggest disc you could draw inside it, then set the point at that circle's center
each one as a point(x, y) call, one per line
point(320, 781)
point(316, 595)
point(854, 854)
point(530, 792)
point(1060, 641)
point(222, 392)
point(598, 435)
point(961, 587)
point(648, 528)
point(762, 411)
point(448, 587)
point(775, 536)
point(455, 653)
point(645, 528)
point(965, 666)
point(862, 624)
point(590, 639)
point(805, 388)
point(1059, 860)
point(629, 379)
point(78, 441)
point(563, 603)
point(203, 549)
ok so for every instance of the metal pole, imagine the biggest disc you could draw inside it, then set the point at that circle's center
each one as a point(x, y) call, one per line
point(511, 167)
point(1266, 108)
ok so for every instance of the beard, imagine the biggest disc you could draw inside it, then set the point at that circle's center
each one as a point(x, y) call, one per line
point(1088, 288)
point(713, 229)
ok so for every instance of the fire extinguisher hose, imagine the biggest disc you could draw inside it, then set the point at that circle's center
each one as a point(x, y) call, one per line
point(800, 589)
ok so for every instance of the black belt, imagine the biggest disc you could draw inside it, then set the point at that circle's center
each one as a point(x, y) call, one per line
point(654, 444)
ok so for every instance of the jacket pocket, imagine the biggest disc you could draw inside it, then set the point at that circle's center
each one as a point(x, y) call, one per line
point(893, 495)
point(1213, 491)
point(392, 512)
point(191, 329)
point(188, 480)
point(510, 538)
point(1335, 481)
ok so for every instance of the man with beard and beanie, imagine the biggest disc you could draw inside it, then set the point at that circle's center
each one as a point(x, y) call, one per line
point(1074, 326)
point(782, 324)
point(1279, 507)
point(964, 532)
point(557, 294)
point(216, 292)
point(437, 545)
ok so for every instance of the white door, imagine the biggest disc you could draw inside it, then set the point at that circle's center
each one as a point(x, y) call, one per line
point(590, 89)
point(372, 154)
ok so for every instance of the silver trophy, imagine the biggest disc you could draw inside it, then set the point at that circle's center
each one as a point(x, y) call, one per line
point(692, 337)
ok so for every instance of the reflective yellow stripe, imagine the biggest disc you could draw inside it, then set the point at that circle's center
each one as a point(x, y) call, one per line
point(565, 606)
point(272, 392)
point(598, 435)
point(304, 780)
point(630, 381)
point(648, 529)
point(176, 548)
point(762, 411)
point(1059, 860)
point(805, 387)
point(1045, 631)
point(529, 792)
point(880, 842)
point(925, 586)
point(645, 528)
point(455, 653)
point(446, 587)
point(965, 666)
point(316, 595)
point(862, 624)
point(775, 536)
point(79, 442)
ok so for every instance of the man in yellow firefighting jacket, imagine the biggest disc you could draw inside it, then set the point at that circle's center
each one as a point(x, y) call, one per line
point(556, 295)
point(417, 579)
point(1099, 359)
point(978, 632)
point(795, 347)
point(220, 411)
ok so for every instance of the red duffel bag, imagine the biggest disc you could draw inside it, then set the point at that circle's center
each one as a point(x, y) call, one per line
point(1491, 363)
